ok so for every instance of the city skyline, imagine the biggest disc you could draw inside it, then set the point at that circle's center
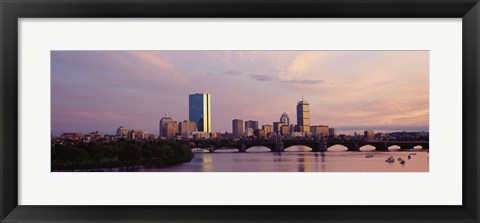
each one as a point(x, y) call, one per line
point(102, 90)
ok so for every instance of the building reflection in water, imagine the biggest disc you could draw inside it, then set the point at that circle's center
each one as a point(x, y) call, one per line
point(206, 162)
point(277, 157)
point(322, 161)
point(306, 163)
point(301, 163)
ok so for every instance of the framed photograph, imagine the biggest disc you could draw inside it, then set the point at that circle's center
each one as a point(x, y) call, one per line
point(227, 111)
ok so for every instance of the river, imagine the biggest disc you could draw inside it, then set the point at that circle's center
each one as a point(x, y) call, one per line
point(295, 159)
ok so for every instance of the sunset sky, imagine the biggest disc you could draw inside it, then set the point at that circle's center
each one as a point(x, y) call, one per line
point(349, 90)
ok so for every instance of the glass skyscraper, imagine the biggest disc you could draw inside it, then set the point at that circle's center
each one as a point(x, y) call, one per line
point(199, 111)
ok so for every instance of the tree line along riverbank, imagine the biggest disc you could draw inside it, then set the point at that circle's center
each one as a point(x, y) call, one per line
point(90, 156)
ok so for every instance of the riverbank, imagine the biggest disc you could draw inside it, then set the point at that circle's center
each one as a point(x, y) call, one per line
point(118, 154)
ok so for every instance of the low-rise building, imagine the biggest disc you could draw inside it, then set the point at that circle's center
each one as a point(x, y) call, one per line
point(260, 133)
point(320, 130)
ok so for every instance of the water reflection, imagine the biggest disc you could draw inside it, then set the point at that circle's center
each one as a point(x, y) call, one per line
point(301, 163)
point(300, 160)
point(206, 163)
point(322, 161)
point(277, 157)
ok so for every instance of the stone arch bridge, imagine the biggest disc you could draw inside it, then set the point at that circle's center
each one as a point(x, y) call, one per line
point(316, 145)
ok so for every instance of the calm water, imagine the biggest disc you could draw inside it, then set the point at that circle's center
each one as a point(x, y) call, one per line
point(295, 159)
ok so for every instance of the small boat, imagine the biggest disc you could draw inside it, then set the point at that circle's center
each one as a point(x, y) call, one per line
point(369, 155)
point(402, 162)
point(409, 157)
point(411, 154)
point(390, 160)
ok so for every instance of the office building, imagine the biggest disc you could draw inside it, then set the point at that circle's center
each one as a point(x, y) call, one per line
point(298, 134)
point(237, 128)
point(73, 136)
point(303, 116)
point(251, 124)
point(285, 119)
point(369, 135)
point(285, 130)
point(122, 132)
point(260, 133)
point(168, 128)
point(320, 130)
point(200, 135)
point(292, 128)
point(137, 134)
point(249, 132)
point(267, 129)
point(332, 133)
point(200, 111)
point(277, 127)
point(215, 135)
point(186, 127)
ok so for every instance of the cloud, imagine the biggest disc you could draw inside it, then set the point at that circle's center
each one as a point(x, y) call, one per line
point(262, 77)
point(228, 72)
point(295, 77)
point(302, 81)
point(152, 58)
point(271, 78)
point(232, 72)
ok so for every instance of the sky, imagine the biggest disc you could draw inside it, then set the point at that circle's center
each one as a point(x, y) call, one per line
point(349, 90)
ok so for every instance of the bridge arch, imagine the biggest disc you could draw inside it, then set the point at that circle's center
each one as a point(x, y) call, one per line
point(298, 148)
point(226, 149)
point(394, 147)
point(200, 149)
point(418, 147)
point(367, 147)
point(258, 149)
point(337, 147)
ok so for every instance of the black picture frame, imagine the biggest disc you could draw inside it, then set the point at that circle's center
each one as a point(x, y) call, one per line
point(12, 10)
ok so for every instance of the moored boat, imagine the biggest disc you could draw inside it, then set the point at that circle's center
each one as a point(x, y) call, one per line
point(390, 160)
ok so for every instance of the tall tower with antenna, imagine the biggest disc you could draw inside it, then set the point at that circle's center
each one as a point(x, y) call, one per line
point(303, 115)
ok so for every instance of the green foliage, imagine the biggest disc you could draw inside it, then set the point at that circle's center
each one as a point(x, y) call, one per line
point(119, 154)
